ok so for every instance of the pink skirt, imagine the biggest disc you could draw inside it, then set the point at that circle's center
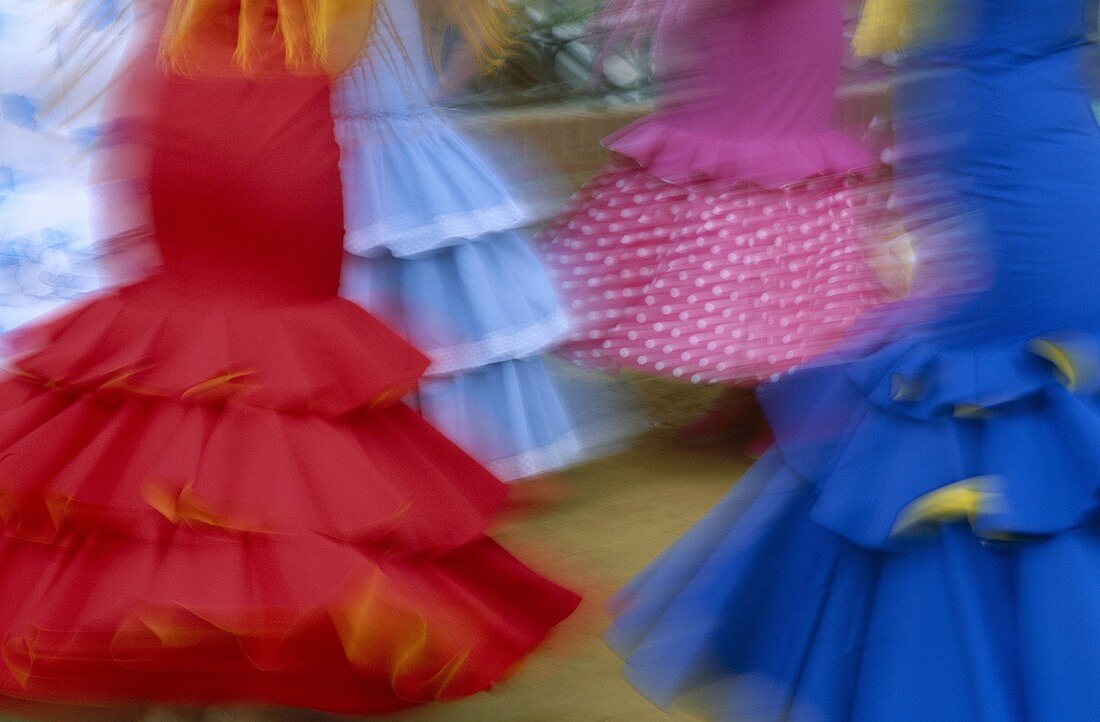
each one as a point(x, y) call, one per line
point(710, 283)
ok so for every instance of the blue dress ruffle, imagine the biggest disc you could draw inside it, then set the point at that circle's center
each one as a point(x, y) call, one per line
point(439, 190)
point(822, 588)
point(923, 543)
point(438, 252)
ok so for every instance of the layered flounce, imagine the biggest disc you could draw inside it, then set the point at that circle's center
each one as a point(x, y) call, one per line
point(464, 306)
point(712, 283)
point(515, 414)
point(181, 524)
point(674, 151)
point(483, 312)
point(304, 621)
point(435, 252)
point(413, 184)
point(138, 341)
point(919, 545)
point(1004, 437)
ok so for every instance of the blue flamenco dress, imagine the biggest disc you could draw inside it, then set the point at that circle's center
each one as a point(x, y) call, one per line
point(923, 543)
point(436, 250)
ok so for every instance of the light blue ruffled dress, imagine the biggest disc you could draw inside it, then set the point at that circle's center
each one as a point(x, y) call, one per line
point(436, 249)
point(48, 125)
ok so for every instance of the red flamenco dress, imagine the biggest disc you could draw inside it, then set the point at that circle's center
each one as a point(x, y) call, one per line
point(209, 489)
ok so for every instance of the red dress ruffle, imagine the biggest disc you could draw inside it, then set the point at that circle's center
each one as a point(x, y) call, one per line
point(210, 491)
point(181, 528)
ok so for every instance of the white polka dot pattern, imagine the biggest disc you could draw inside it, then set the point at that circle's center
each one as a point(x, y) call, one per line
point(712, 285)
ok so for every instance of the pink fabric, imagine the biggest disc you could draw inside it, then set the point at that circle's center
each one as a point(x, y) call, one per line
point(728, 245)
point(678, 152)
point(713, 283)
point(747, 93)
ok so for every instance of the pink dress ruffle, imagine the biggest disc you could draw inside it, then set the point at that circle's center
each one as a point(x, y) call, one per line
point(679, 152)
point(713, 283)
point(728, 241)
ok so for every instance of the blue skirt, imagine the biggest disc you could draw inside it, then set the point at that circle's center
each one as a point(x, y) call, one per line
point(899, 555)
point(437, 251)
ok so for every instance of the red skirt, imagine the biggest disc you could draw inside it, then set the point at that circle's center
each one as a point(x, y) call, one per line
point(205, 503)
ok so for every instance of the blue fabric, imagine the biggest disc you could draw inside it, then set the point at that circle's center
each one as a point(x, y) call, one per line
point(433, 230)
point(19, 110)
point(760, 613)
point(509, 414)
point(412, 181)
point(100, 14)
point(465, 305)
point(799, 596)
point(49, 108)
point(440, 189)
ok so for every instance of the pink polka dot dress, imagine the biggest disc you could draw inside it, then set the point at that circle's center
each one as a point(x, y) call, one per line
point(729, 239)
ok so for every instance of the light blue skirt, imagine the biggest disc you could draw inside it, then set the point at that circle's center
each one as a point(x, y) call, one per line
point(436, 250)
